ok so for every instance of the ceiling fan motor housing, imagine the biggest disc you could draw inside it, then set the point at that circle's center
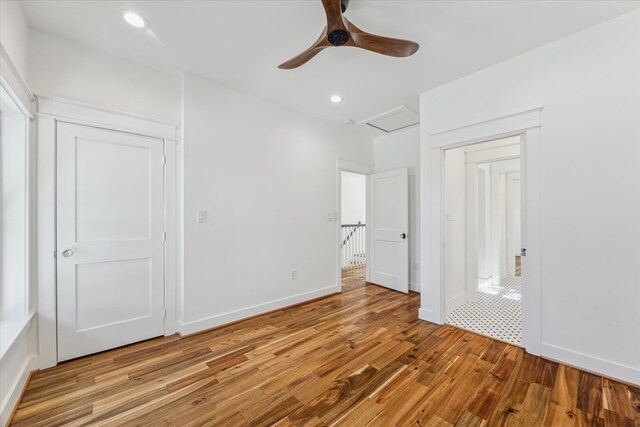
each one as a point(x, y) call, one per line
point(338, 37)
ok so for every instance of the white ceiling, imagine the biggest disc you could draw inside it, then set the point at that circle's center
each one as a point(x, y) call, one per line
point(241, 43)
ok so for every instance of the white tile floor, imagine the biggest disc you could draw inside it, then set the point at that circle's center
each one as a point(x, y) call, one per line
point(497, 312)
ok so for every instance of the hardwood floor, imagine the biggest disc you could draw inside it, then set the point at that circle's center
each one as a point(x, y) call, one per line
point(357, 358)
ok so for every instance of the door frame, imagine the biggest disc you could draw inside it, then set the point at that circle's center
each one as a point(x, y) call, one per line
point(50, 111)
point(528, 124)
point(512, 181)
point(474, 161)
point(363, 169)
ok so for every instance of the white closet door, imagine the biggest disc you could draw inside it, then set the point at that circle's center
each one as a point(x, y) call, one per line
point(389, 218)
point(110, 232)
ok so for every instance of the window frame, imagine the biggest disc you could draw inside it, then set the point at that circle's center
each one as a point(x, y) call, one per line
point(23, 324)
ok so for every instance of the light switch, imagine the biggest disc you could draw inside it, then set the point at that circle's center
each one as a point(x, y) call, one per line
point(202, 216)
point(332, 216)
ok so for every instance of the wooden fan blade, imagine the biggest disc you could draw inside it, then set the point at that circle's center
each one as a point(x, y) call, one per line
point(305, 56)
point(333, 9)
point(383, 45)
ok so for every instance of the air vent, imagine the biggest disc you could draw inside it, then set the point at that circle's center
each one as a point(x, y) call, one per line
point(394, 120)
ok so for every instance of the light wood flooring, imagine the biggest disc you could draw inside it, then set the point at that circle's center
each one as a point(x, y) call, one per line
point(356, 358)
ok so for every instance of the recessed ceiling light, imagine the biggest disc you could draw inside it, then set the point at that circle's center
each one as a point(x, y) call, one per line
point(336, 98)
point(349, 122)
point(134, 19)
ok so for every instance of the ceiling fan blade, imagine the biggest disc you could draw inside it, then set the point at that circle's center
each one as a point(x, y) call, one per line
point(333, 9)
point(305, 56)
point(379, 44)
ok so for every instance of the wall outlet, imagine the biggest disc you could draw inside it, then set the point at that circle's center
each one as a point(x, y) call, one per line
point(202, 216)
point(294, 274)
point(332, 216)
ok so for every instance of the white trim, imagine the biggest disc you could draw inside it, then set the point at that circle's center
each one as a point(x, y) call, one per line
point(499, 168)
point(415, 287)
point(91, 115)
point(29, 190)
point(187, 328)
point(425, 313)
point(10, 402)
point(16, 98)
point(170, 244)
point(46, 222)
point(455, 301)
point(54, 110)
point(471, 235)
point(26, 325)
point(525, 123)
point(349, 166)
point(589, 363)
point(15, 80)
point(488, 155)
point(475, 132)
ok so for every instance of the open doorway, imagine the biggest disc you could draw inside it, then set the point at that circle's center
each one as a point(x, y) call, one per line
point(353, 228)
point(483, 239)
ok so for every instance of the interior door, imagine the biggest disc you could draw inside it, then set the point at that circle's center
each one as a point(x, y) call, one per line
point(389, 239)
point(110, 232)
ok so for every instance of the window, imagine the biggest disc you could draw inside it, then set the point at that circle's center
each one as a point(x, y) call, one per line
point(14, 293)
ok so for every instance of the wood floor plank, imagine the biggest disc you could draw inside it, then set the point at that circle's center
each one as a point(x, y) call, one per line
point(359, 358)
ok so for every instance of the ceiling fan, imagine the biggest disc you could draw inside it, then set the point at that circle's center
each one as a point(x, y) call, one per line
point(340, 32)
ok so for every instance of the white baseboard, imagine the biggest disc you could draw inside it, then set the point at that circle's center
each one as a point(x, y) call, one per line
point(29, 365)
point(415, 287)
point(428, 315)
point(592, 364)
point(186, 328)
point(455, 302)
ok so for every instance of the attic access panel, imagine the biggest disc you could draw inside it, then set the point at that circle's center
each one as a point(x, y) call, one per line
point(394, 120)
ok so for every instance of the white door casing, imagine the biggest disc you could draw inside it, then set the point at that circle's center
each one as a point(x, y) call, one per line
point(528, 124)
point(389, 234)
point(110, 239)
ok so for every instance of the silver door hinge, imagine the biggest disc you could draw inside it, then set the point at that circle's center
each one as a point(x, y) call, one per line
point(164, 236)
point(523, 252)
point(164, 314)
point(164, 160)
point(55, 254)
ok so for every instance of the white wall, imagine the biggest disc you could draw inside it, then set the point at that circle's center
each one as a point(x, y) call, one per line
point(21, 356)
point(589, 86)
point(61, 68)
point(267, 177)
point(354, 198)
point(14, 34)
point(402, 150)
point(455, 194)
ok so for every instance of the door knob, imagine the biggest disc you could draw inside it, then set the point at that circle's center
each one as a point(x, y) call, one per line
point(67, 253)
point(403, 235)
